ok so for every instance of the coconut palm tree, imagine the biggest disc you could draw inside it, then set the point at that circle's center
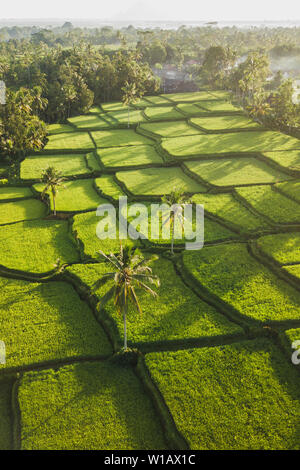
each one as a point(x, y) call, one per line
point(129, 97)
point(53, 180)
point(130, 271)
point(176, 200)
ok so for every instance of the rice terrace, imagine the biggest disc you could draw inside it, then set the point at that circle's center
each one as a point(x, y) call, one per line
point(210, 355)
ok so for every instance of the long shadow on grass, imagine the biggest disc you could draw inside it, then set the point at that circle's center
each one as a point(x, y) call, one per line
point(231, 273)
point(113, 389)
point(21, 243)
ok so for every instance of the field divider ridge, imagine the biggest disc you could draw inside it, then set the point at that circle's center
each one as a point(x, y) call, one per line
point(174, 438)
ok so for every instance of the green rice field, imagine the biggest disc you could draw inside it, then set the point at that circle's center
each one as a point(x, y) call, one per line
point(68, 165)
point(242, 393)
point(162, 113)
point(170, 129)
point(209, 366)
point(122, 157)
point(237, 278)
point(271, 204)
point(221, 123)
point(119, 138)
point(70, 141)
point(227, 172)
point(242, 142)
point(157, 181)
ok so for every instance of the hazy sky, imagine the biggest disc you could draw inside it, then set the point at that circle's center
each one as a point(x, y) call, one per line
point(168, 9)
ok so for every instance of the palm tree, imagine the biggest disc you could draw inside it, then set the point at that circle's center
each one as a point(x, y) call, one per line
point(53, 180)
point(131, 270)
point(129, 97)
point(176, 200)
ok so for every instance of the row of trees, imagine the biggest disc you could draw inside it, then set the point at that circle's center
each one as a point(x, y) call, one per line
point(55, 85)
point(20, 128)
point(72, 80)
point(268, 98)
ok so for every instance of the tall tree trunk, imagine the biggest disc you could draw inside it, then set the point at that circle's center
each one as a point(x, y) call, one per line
point(54, 206)
point(125, 327)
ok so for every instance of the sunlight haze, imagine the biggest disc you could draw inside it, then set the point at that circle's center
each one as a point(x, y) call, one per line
point(176, 10)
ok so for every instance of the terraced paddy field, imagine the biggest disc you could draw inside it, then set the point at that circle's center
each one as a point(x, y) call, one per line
point(162, 113)
point(26, 209)
point(158, 181)
point(47, 322)
point(87, 122)
point(70, 141)
point(169, 129)
point(226, 172)
point(85, 226)
point(178, 318)
point(283, 247)
point(270, 203)
point(36, 245)
point(112, 106)
point(289, 159)
point(119, 138)
point(241, 393)
point(9, 193)
point(108, 186)
point(33, 167)
point(242, 142)
point(191, 110)
point(152, 101)
point(215, 345)
point(91, 411)
point(249, 288)
point(193, 97)
point(75, 196)
point(59, 128)
point(121, 116)
point(230, 209)
point(213, 106)
point(5, 423)
point(119, 157)
point(290, 189)
point(222, 123)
